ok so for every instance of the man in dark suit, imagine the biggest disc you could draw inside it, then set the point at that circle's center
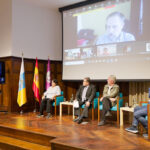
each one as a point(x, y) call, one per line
point(84, 95)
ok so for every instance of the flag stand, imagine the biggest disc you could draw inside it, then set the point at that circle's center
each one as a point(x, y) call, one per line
point(21, 112)
point(21, 99)
point(34, 107)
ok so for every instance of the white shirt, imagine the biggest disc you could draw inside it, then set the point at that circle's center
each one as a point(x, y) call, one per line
point(52, 91)
point(84, 93)
point(109, 90)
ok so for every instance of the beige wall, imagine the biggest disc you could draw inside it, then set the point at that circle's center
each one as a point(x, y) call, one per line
point(31, 29)
point(5, 28)
point(36, 31)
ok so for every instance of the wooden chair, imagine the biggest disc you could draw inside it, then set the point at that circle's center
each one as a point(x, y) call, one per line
point(114, 108)
point(142, 103)
point(58, 99)
point(94, 104)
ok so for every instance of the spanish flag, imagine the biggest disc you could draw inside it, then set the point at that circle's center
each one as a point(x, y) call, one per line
point(36, 84)
point(22, 99)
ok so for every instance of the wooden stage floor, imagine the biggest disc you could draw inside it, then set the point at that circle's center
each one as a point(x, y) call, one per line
point(64, 134)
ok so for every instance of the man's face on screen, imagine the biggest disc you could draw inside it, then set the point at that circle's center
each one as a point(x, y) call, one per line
point(114, 26)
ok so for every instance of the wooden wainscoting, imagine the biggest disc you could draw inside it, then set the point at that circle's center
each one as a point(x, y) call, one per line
point(9, 90)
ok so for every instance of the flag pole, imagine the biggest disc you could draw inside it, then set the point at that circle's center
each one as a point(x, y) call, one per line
point(34, 110)
point(34, 106)
point(36, 85)
point(21, 112)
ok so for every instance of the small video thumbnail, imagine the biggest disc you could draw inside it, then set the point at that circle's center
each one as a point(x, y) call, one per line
point(106, 50)
point(72, 54)
point(87, 53)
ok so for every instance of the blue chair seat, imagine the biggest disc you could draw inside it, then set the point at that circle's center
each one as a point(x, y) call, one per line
point(95, 101)
point(58, 100)
point(84, 106)
point(95, 104)
point(145, 104)
point(146, 118)
point(114, 108)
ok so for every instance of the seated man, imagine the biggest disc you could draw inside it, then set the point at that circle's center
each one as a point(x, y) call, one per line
point(110, 94)
point(85, 95)
point(139, 116)
point(48, 98)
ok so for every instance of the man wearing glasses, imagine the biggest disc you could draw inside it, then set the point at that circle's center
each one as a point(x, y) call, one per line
point(84, 95)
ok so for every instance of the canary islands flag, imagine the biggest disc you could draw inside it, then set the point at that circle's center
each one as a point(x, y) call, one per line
point(22, 99)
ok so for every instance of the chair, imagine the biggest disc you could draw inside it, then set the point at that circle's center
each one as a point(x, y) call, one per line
point(94, 104)
point(58, 99)
point(142, 103)
point(114, 108)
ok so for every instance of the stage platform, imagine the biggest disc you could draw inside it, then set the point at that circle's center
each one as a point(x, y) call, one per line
point(57, 133)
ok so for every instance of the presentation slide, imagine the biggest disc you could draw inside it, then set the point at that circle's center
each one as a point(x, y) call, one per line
point(108, 37)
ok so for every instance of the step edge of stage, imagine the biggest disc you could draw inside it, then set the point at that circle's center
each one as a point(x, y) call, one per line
point(26, 137)
point(20, 142)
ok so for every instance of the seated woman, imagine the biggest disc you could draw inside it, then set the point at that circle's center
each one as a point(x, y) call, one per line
point(48, 98)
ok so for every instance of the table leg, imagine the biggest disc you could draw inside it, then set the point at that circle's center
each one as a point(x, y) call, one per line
point(121, 117)
point(73, 113)
point(60, 110)
point(68, 109)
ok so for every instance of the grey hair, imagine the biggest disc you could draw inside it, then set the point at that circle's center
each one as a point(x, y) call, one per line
point(113, 77)
point(118, 14)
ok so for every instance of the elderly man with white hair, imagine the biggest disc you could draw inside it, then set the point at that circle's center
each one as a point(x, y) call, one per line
point(109, 99)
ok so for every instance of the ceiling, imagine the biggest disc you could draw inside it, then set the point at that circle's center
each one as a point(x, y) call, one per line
point(55, 4)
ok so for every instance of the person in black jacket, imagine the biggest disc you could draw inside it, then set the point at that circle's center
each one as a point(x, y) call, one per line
point(84, 95)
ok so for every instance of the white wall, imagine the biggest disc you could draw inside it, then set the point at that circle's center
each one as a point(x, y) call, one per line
point(5, 28)
point(36, 31)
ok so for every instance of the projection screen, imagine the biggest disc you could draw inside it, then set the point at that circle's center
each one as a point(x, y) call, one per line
point(108, 37)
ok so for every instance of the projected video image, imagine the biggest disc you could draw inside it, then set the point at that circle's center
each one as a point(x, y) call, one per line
point(107, 37)
point(105, 25)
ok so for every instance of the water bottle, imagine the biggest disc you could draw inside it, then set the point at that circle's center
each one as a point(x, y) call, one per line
point(134, 102)
point(71, 100)
point(149, 92)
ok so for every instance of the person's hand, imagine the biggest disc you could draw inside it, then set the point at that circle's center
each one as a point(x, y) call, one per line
point(112, 99)
point(87, 104)
point(101, 99)
point(42, 97)
point(53, 97)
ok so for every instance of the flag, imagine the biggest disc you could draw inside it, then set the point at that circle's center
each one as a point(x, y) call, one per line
point(36, 84)
point(48, 75)
point(22, 99)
